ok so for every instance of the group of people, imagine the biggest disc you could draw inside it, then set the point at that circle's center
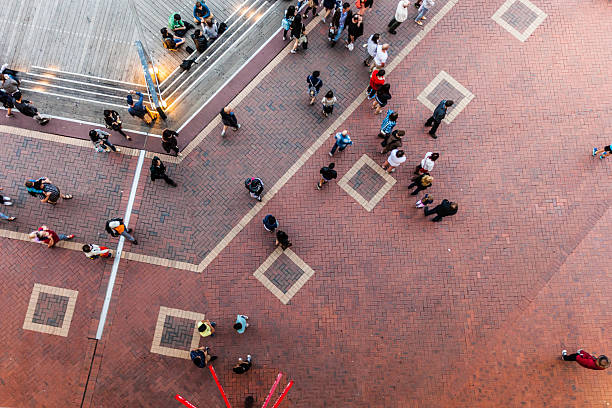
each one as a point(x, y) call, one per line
point(12, 98)
point(209, 29)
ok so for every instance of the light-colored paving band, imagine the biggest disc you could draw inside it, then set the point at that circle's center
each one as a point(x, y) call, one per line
point(213, 124)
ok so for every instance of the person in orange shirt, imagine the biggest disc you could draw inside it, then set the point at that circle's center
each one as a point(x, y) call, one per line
point(116, 227)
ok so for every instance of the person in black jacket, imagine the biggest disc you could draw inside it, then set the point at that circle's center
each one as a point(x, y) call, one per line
point(229, 119)
point(169, 141)
point(26, 108)
point(444, 209)
point(113, 122)
point(342, 17)
point(314, 85)
point(200, 41)
point(297, 29)
point(158, 171)
point(355, 30)
point(421, 182)
point(382, 98)
point(438, 114)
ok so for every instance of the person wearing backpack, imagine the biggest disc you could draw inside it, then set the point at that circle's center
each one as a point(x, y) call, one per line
point(116, 227)
point(287, 20)
point(26, 108)
point(228, 117)
point(314, 85)
point(255, 187)
point(93, 251)
point(113, 122)
point(99, 138)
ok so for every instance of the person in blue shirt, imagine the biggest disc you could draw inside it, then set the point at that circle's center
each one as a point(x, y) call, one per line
point(241, 323)
point(138, 109)
point(438, 114)
point(201, 12)
point(343, 139)
point(388, 123)
point(270, 223)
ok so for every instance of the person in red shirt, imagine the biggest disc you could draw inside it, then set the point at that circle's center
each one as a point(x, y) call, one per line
point(49, 237)
point(376, 81)
point(592, 362)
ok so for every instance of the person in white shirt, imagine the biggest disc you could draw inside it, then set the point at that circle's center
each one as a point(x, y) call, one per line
point(401, 15)
point(372, 45)
point(380, 59)
point(93, 251)
point(427, 164)
point(396, 157)
point(426, 5)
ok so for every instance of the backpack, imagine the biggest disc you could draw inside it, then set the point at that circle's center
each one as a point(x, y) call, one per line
point(109, 229)
point(222, 28)
point(186, 64)
point(253, 185)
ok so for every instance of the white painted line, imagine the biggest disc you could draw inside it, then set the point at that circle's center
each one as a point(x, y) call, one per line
point(83, 122)
point(72, 89)
point(87, 76)
point(74, 98)
point(209, 67)
point(222, 87)
point(195, 52)
point(52, 78)
point(126, 221)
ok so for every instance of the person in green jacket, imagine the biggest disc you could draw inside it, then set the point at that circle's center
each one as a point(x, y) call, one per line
point(177, 25)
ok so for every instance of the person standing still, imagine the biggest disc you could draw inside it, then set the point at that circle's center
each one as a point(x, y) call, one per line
point(427, 164)
point(401, 15)
point(328, 102)
point(314, 85)
point(377, 79)
point(383, 95)
point(158, 171)
point(392, 141)
point(380, 59)
point(444, 209)
point(270, 223)
point(242, 366)
point(421, 182)
point(396, 157)
point(371, 47)
point(343, 139)
point(113, 122)
point(327, 174)
point(169, 141)
point(116, 227)
point(228, 117)
point(592, 362)
point(388, 123)
point(436, 118)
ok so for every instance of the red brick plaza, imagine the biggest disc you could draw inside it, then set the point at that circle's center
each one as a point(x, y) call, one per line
point(373, 305)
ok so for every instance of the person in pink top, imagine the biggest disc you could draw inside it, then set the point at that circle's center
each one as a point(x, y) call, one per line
point(592, 362)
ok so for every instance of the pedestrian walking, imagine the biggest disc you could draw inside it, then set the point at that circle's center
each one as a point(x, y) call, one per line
point(343, 139)
point(396, 157)
point(282, 239)
point(371, 47)
point(169, 142)
point(312, 5)
point(329, 6)
point(26, 108)
point(206, 328)
point(201, 356)
point(355, 30)
point(427, 164)
point(388, 123)
point(255, 186)
point(5, 200)
point(605, 152)
point(401, 15)
point(93, 251)
point(242, 366)
point(444, 209)
point(377, 79)
point(592, 362)
point(176, 24)
point(380, 58)
point(436, 118)
point(298, 29)
point(99, 138)
point(138, 109)
point(421, 182)
point(8, 102)
point(241, 323)
point(381, 98)
point(270, 223)
point(426, 200)
point(45, 190)
point(171, 41)
point(287, 20)
point(6, 217)
point(113, 122)
point(342, 16)
point(363, 6)
point(228, 117)
point(425, 6)
point(314, 85)
point(116, 227)
point(328, 102)
point(158, 171)
point(392, 141)
point(327, 174)
point(44, 235)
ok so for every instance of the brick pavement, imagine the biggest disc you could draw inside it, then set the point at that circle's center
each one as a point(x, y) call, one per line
point(449, 314)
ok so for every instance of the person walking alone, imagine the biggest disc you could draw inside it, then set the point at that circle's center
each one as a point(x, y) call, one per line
point(206, 328)
point(99, 138)
point(26, 108)
point(401, 15)
point(44, 235)
point(169, 142)
point(396, 157)
point(93, 251)
point(605, 152)
point(327, 174)
point(242, 366)
point(116, 227)
point(314, 85)
point(255, 186)
point(113, 122)
point(427, 164)
point(5, 200)
point(282, 240)
point(436, 118)
point(421, 182)
point(201, 356)
point(328, 102)
point(592, 362)
point(158, 171)
point(444, 209)
point(241, 323)
point(425, 6)
point(371, 47)
point(228, 117)
point(270, 223)
point(343, 139)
